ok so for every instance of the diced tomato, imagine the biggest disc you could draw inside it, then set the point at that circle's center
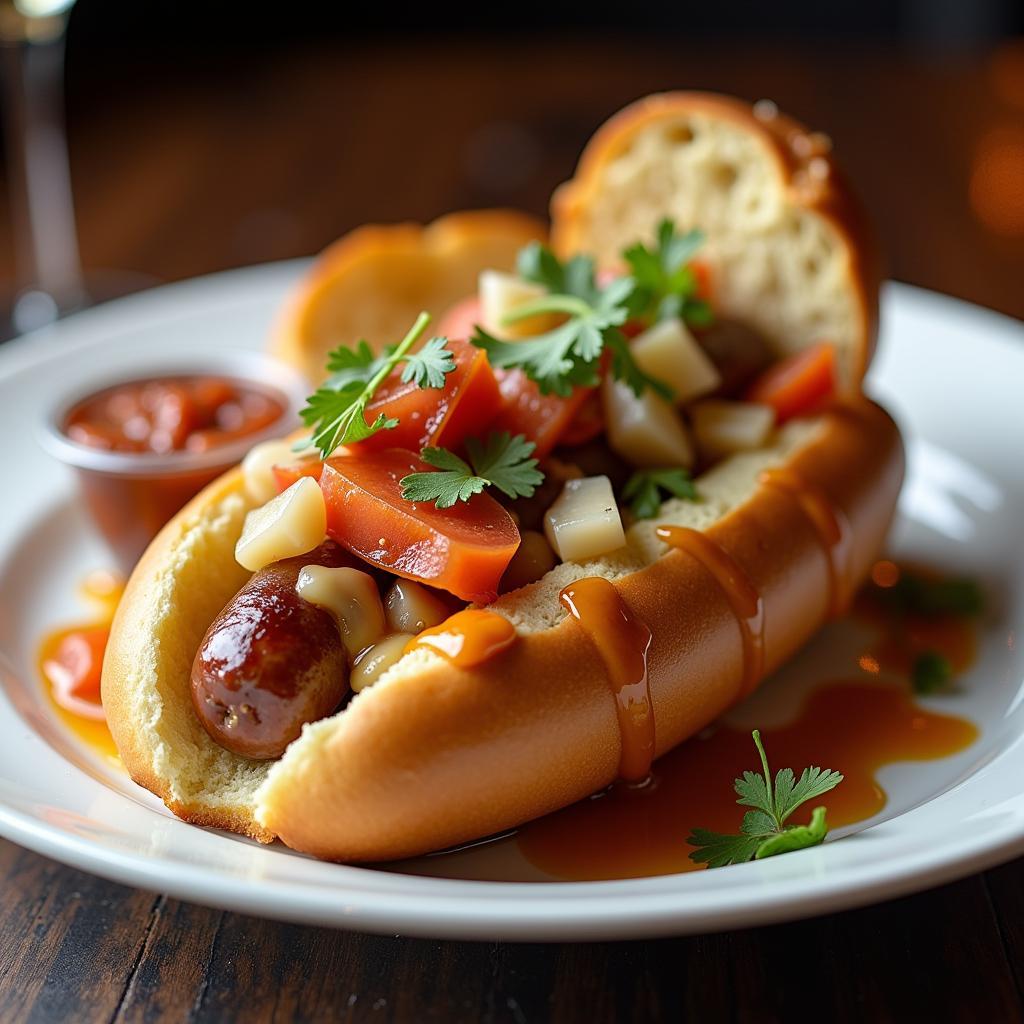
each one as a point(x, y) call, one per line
point(74, 671)
point(460, 320)
point(798, 384)
point(525, 410)
point(443, 417)
point(285, 476)
point(464, 549)
point(588, 422)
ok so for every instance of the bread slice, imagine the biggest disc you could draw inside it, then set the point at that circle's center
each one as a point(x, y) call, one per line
point(374, 282)
point(788, 244)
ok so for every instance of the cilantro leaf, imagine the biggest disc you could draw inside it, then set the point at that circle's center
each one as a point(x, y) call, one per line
point(764, 832)
point(336, 411)
point(718, 850)
point(505, 462)
point(427, 367)
point(916, 595)
point(666, 285)
point(643, 489)
point(569, 355)
point(501, 461)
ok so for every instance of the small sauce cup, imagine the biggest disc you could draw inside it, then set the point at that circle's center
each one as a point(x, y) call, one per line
point(131, 494)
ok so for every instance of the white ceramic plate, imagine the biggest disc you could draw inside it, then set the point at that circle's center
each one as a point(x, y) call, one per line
point(950, 372)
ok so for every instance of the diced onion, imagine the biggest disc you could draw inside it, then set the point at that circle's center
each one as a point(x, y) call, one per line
point(584, 521)
point(723, 428)
point(644, 430)
point(669, 352)
point(291, 524)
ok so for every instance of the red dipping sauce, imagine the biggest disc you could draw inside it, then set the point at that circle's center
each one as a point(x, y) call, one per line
point(143, 447)
point(173, 414)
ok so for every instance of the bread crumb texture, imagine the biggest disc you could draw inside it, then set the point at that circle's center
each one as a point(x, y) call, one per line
point(778, 265)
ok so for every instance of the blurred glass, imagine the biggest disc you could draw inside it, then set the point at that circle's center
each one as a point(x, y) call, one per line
point(49, 274)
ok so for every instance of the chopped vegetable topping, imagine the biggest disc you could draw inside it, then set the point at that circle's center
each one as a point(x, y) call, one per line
point(665, 285)
point(503, 461)
point(643, 490)
point(570, 354)
point(336, 410)
point(764, 832)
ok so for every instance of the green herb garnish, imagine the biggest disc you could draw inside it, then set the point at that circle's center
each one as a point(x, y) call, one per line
point(502, 461)
point(666, 286)
point(570, 355)
point(931, 673)
point(764, 832)
point(336, 411)
point(916, 595)
point(643, 490)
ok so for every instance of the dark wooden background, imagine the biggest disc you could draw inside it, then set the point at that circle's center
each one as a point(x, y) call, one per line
point(201, 164)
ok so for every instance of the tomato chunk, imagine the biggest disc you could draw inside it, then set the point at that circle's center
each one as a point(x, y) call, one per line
point(526, 410)
point(798, 384)
point(464, 549)
point(443, 417)
point(74, 671)
point(461, 319)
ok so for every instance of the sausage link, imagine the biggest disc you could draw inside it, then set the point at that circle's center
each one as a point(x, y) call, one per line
point(270, 662)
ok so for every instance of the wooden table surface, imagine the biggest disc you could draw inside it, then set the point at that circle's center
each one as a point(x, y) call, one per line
point(197, 166)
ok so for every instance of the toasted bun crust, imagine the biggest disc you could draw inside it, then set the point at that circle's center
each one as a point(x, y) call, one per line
point(432, 755)
point(788, 244)
point(403, 269)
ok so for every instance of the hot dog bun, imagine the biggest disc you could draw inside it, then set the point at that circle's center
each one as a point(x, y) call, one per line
point(788, 245)
point(432, 755)
point(373, 282)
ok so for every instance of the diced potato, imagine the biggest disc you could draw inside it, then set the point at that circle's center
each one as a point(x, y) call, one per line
point(411, 607)
point(646, 431)
point(722, 428)
point(502, 293)
point(351, 596)
point(258, 465)
point(291, 524)
point(376, 660)
point(584, 521)
point(669, 352)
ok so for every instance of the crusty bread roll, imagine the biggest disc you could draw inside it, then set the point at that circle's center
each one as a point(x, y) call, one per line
point(788, 244)
point(430, 755)
point(374, 282)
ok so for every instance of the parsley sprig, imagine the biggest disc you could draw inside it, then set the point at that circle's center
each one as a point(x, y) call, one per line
point(502, 461)
point(665, 283)
point(644, 488)
point(336, 411)
point(570, 354)
point(764, 832)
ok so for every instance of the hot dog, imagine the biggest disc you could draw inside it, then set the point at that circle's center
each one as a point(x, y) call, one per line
point(270, 662)
point(547, 693)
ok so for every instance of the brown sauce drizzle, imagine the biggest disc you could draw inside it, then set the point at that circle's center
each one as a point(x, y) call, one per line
point(468, 638)
point(743, 596)
point(622, 641)
point(831, 525)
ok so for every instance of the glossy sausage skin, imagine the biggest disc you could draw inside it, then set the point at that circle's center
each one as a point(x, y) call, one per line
point(270, 662)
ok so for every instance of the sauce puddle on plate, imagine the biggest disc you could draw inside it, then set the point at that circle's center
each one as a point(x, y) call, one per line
point(855, 726)
point(68, 661)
